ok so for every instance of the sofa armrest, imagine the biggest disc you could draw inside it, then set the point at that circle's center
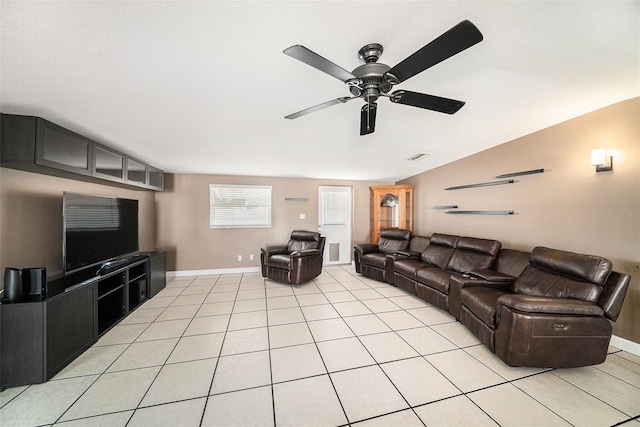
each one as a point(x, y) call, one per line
point(549, 305)
point(305, 253)
point(490, 275)
point(366, 248)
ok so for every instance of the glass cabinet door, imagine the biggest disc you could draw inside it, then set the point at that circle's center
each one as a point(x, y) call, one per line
point(391, 207)
point(136, 172)
point(156, 178)
point(62, 149)
point(109, 164)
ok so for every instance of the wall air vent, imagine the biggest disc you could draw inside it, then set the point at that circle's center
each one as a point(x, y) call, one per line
point(418, 156)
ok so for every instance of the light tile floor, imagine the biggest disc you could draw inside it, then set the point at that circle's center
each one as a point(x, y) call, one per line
point(238, 350)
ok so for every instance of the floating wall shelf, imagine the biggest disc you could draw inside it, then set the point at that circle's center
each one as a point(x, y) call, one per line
point(445, 207)
point(482, 184)
point(481, 212)
point(531, 172)
point(296, 199)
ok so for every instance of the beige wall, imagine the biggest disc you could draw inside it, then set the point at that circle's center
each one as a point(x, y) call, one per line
point(569, 206)
point(183, 219)
point(31, 217)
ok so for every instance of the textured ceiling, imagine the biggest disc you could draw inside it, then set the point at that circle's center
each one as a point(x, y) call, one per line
point(203, 87)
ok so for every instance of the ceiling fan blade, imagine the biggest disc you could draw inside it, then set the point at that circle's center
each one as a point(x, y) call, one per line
point(309, 57)
point(460, 37)
point(368, 118)
point(429, 102)
point(319, 107)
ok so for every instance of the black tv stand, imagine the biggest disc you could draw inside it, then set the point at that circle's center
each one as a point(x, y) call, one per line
point(40, 338)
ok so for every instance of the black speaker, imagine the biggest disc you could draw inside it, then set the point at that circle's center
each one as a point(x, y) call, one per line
point(12, 285)
point(34, 283)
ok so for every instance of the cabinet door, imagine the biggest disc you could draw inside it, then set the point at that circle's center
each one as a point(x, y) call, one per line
point(62, 149)
point(71, 326)
point(109, 164)
point(136, 172)
point(156, 178)
point(22, 353)
point(157, 273)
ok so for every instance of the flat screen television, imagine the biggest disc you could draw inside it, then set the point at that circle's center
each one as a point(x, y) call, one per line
point(97, 229)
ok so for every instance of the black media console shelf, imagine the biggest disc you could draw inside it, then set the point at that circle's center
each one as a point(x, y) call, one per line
point(40, 338)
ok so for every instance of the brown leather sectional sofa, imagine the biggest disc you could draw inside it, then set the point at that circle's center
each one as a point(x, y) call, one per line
point(547, 308)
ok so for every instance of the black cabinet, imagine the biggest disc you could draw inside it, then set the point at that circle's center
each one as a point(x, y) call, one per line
point(22, 329)
point(136, 172)
point(37, 145)
point(59, 148)
point(40, 338)
point(155, 178)
point(157, 273)
point(109, 164)
point(71, 327)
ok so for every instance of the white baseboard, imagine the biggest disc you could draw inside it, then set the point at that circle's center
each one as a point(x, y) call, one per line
point(182, 273)
point(625, 344)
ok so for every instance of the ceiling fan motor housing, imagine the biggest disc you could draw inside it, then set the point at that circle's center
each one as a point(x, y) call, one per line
point(371, 74)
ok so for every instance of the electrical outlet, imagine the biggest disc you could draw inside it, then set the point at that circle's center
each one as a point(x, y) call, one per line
point(302, 216)
point(239, 257)
point(251, 257)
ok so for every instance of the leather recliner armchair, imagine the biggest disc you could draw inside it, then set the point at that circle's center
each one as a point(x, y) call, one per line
point(299, 261)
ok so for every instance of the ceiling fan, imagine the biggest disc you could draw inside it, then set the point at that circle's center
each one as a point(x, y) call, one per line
point(374, 79)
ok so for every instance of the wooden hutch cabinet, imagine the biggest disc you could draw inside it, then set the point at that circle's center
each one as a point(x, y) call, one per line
point(391, 206)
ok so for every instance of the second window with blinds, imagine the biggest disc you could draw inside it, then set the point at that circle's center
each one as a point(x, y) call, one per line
point(239, 206)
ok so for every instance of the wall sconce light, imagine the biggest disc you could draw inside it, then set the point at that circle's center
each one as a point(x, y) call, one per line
point(601, 161)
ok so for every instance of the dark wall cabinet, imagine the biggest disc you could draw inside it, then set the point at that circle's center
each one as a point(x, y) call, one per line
point(40, 338)
point(37, 145)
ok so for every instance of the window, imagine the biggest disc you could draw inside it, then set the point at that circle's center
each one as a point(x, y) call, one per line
point(239, 206)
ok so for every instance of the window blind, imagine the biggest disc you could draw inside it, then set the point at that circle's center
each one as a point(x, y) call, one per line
point(239, 206)
point(334, 208)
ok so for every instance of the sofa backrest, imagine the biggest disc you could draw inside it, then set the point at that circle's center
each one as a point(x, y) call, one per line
point(302, 240)
point(440, 249)
point(562, 274)
point(511, 262)
point(393, 239)
point(419, 243)
point(473, 254)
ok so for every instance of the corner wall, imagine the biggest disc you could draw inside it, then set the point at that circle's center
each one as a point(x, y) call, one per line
point(31, 217)
point(183, 219)
point(568, 207)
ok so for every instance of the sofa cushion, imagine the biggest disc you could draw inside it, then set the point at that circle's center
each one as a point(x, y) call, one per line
point(279, 261)
point(393, 239)
point(473, 254)
point(439, 250)
point(419, 243)
point(376, 259)
point(483, 302)
point(588, 268)
point(408, 267)
point(302, 240)
point(435, 278)
point(511, 262)
point(536, 282)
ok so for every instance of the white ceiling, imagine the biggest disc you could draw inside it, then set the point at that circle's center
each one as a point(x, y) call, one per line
point(203, 87)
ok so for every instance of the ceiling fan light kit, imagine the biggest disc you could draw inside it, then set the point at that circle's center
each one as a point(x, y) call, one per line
point(373, 79)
